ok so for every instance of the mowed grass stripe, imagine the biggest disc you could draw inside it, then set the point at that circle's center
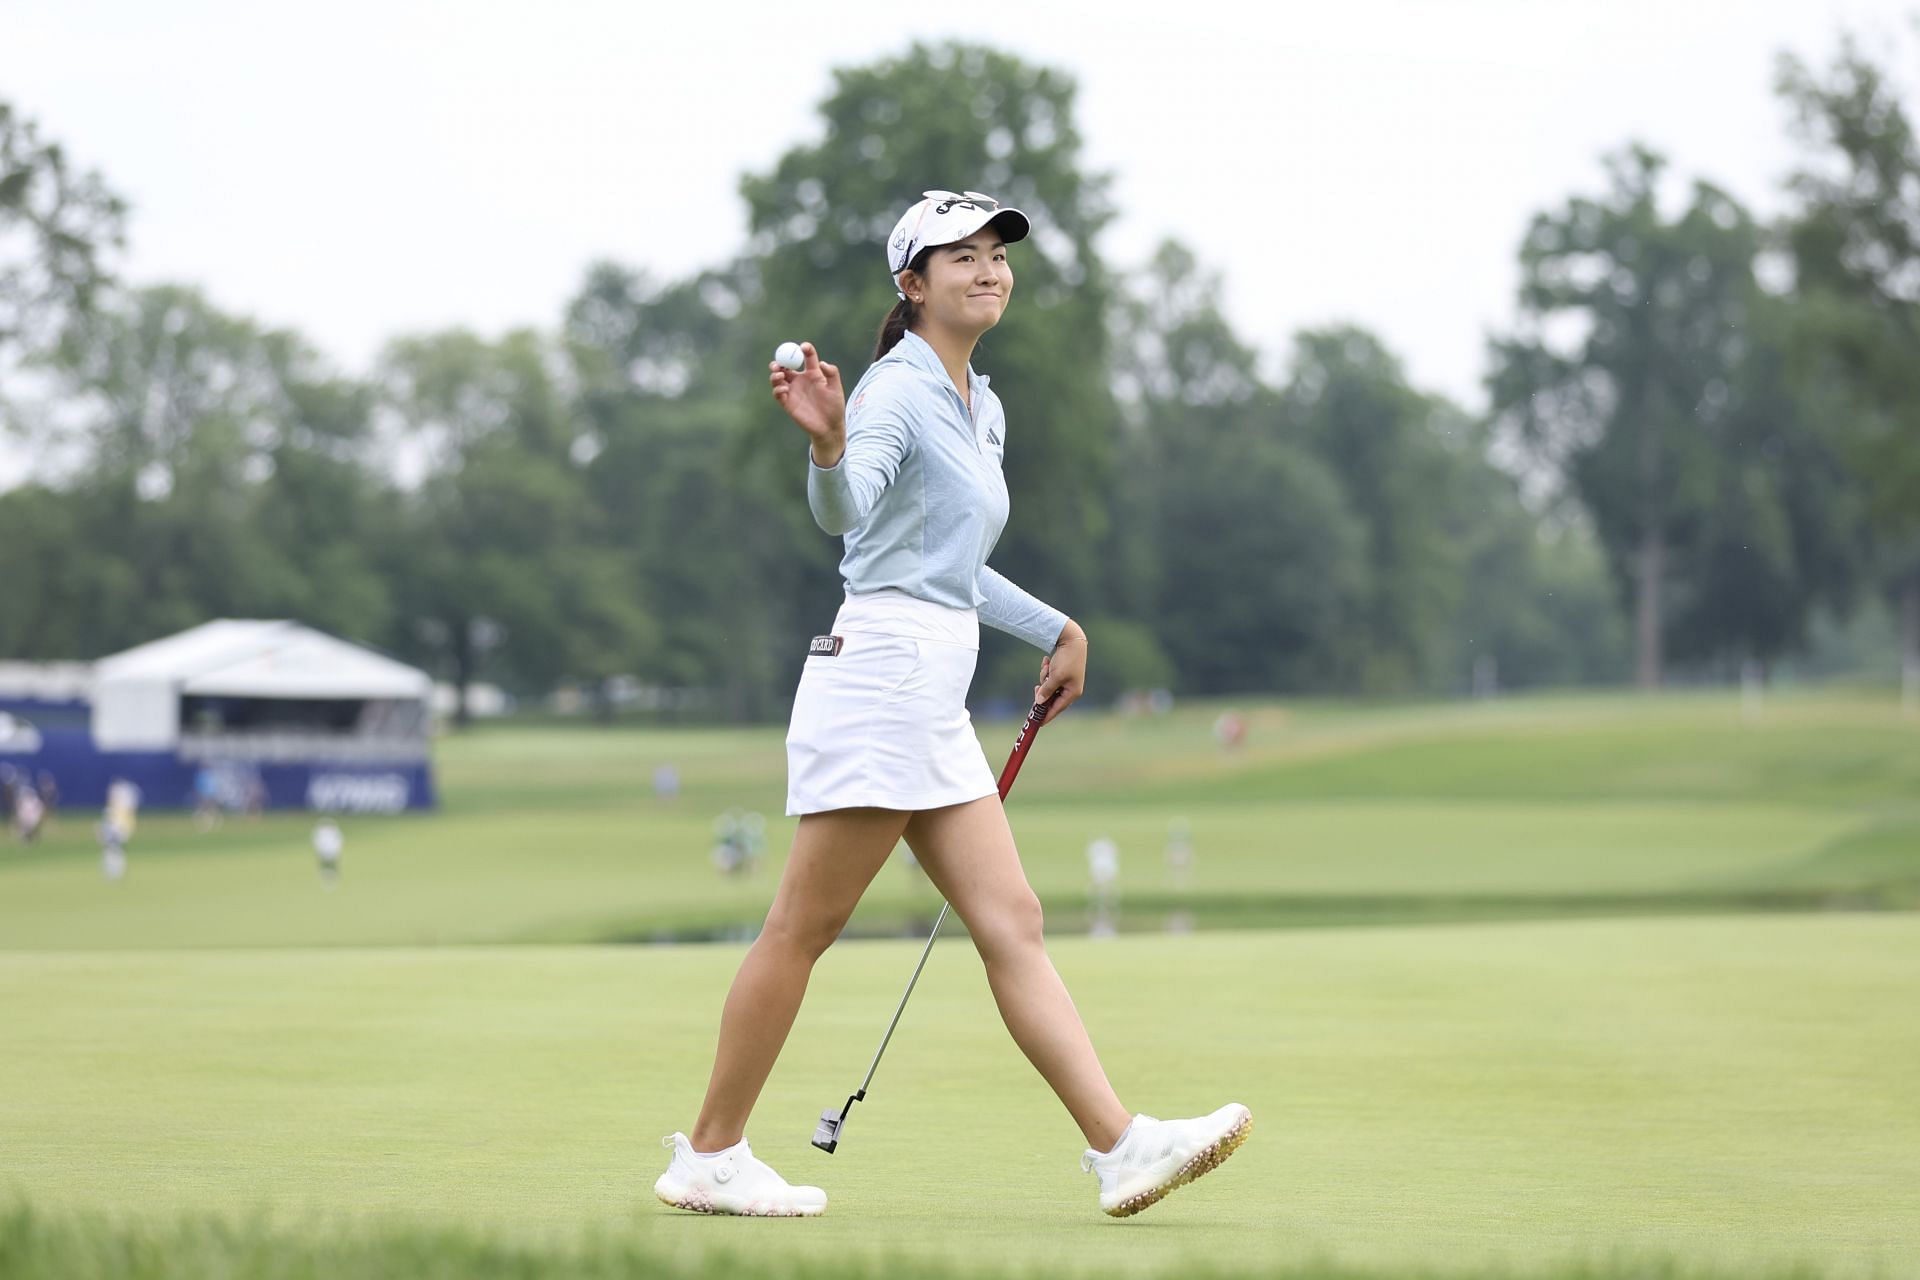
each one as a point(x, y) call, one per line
point(1731, 1093)
point(1332, 814)
point(593, 876)
point(1813, 749)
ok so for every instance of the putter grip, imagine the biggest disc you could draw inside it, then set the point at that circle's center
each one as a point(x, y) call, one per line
point(1035, 718)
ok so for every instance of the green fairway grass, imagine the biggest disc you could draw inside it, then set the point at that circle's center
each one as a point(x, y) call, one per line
point(1732, 1095)
point(1330, 814)
point(37, 1246)
point(218, 1067)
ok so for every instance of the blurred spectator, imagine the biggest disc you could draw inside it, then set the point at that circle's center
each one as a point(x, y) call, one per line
point(123, 809)
point(666, 782)
point(1486, 676)
point(1230, 730)
point(1103, 869)
point(327, 843)
point(206, 798)
point(28, 813)
point(729, 845)
point(739, 840)
point(1179, 853)
point(221, 789)
point(113, 849)
point(1141, 702)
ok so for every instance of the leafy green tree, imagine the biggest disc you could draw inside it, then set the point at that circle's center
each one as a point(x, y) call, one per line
point(1176, 345)
point(223, 466)
point(1631, 326)
point(717, 559)
point(68, 594)
point(1535, 605)
point(1176, 354)
point(1855, 239)
point(1235, 544)
point(58, 227)
point(327, 506)
point(1400, 457)
point(1784, 533)
point(168, 391)
point(503, 557)
point(1267, 570)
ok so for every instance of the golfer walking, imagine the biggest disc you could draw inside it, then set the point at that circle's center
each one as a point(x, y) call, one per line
point(880, 744)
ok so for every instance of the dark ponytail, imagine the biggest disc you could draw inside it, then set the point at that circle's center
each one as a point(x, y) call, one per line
point(904, 313)
point(895, 327)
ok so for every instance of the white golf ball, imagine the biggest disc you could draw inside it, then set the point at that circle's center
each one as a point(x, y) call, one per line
point(790, 356)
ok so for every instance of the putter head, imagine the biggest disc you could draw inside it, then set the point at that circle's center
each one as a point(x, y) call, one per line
point(827, 1135)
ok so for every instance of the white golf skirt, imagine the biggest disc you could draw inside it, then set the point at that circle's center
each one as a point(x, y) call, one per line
point(883, 722)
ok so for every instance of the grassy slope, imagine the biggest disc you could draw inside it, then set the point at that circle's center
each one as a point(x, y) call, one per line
point(1724, 1092)
point(1331, 814)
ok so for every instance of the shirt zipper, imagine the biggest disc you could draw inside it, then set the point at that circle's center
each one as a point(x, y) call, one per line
point(973, 420)
point(966, 411)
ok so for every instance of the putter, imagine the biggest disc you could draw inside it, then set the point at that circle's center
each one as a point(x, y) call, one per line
point(832, 1121)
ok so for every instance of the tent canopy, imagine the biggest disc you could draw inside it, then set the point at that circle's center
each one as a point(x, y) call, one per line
point(136, 694)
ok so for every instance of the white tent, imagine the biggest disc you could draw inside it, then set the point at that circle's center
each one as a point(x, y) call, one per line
point(137, 694)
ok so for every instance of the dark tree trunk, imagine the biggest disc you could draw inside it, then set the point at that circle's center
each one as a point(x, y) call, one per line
point(1910, 644)
point(1652, 555)
point(1651, 569)
point(462, 672)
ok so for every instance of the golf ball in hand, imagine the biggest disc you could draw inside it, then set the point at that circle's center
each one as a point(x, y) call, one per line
point(790, 356)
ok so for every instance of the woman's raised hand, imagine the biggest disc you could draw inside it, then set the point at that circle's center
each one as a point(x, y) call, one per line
point(815, 400)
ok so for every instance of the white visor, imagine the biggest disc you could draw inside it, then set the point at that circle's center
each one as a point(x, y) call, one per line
point(944, 217)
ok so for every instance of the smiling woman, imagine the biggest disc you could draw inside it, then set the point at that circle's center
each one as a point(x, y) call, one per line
point(881, 746)
point(947, 278)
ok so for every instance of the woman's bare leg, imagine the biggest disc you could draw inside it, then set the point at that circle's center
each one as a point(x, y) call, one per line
point(835, 857)
point(969, 854)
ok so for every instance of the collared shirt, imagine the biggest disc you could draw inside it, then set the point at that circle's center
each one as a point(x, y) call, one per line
point(920, 496)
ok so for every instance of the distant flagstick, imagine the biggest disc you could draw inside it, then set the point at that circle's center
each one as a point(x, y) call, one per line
point(827, 1135)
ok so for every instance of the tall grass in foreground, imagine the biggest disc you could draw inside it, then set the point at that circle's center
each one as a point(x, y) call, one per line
point(39, 1246)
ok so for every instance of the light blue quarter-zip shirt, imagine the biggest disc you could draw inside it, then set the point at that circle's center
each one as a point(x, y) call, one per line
point(920, 496)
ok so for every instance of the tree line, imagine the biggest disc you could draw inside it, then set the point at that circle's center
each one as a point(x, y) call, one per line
point(1700, 439)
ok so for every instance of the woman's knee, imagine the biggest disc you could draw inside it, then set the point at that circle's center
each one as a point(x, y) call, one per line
point(807, 933)
point(1016, 923)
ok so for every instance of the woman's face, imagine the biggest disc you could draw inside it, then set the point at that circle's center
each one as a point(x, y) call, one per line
point(966, 285)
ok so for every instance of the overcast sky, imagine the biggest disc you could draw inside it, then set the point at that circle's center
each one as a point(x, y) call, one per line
point(361, 169)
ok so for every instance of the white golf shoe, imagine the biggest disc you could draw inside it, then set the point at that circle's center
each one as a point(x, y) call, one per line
point(732, 1181)
point(1155, 1156)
